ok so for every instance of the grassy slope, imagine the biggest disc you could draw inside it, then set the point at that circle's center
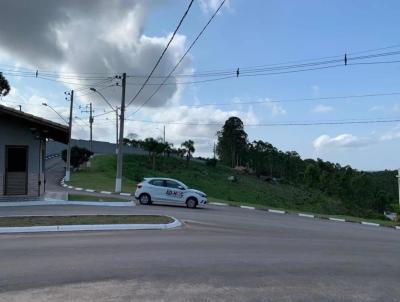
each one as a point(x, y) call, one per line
point(213, 181)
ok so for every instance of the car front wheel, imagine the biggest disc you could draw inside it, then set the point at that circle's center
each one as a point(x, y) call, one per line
point(145, 199)
point(191, 203)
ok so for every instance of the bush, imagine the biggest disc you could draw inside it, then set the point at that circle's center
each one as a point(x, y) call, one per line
point(211, 162)
point(78, 156)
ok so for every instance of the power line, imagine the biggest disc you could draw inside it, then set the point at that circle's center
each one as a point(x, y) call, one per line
point(181, 59)
point(295, 123)
point(162, 54)
point(339, 97)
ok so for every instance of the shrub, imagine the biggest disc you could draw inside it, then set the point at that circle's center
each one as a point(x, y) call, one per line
point(78, 156)
point(211, 162)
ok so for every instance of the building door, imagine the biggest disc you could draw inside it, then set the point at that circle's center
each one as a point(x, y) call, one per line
point(16, 170)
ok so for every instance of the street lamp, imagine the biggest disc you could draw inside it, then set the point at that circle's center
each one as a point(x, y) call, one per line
point(47, 105)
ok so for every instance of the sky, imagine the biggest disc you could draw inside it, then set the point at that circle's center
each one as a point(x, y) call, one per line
point(79, 44)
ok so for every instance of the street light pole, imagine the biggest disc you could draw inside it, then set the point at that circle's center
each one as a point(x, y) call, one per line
point(68, 169)
point(47, 105)
point(118, 180)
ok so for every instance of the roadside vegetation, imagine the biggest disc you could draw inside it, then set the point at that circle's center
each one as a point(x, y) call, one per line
point(255, 173)
point(82, 219)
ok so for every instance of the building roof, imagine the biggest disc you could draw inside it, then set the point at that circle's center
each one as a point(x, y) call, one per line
point(46, 128)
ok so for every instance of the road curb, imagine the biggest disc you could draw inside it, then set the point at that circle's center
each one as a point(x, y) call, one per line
point(337, 219)
point(276, 211)
point(91, 227)
point(306, 215)
point(219, 204)
point(63, 184)
point(63, 203)
point(247, 207)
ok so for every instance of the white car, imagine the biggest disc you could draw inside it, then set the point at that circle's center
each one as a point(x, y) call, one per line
point(167, 190)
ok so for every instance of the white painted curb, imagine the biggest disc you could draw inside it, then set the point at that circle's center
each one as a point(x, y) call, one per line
point(397, 227)
point(89, 190)
point(276, 211)
point(63, 202)
point(370, 223)
point(248, 208)
point(305, 215)
point(218, 204)
point(90, 227)
point(125, 194)
point(105, 192)
point(78, 189)
point(337, 219)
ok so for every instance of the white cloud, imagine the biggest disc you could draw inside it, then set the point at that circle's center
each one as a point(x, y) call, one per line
point(342, 141)
point(322, 109)
point(275, 109)
point(202, 134)
point(376, 108)
point(391, 135)
point(102, 37)
point(210, 6)
point(396, 108)
point(316, 90)
point(106, 37)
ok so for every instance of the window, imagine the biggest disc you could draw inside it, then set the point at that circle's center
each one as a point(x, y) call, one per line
point(173, 184)
point(157, 182)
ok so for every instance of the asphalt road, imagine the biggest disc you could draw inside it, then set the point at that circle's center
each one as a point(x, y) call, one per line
point(220, 254)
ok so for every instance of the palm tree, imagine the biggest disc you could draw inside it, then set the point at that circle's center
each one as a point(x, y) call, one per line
point(154, 148)
point(188, 149)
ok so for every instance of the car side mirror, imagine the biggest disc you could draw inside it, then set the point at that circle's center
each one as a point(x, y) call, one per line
point(181, 188)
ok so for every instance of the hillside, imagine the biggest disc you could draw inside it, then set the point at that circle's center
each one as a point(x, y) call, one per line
point(212, 180)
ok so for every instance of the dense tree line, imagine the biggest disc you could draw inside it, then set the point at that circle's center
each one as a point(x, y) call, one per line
point(360, 193)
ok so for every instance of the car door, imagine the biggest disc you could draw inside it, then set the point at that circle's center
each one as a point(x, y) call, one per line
point(174, 192)
point(157, 189)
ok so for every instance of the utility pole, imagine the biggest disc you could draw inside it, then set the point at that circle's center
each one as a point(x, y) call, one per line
point(91, 128)
point(398, 180)
point(164, 134)
point(116, 127)
point(68, 169)
point(214, 150)
point(91, 120)
point(118, 180)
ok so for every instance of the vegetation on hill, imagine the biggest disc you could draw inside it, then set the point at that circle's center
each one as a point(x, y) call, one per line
point(358, 193)
point(259, 172)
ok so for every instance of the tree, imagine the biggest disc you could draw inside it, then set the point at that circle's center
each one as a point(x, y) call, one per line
point(78, 156)
point(4, 86)
point(154, 148)
point(188, 149)
point(232, 141)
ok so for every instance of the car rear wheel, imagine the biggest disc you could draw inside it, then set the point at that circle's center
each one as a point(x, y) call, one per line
point(191, 203)
point(145, 199)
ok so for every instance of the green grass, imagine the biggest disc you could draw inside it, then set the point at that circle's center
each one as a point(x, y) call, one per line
point(81, 197)
point(212, 180)
point(84, 219)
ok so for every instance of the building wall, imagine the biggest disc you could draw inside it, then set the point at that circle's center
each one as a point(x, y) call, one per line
point(17, 133)
point(99, 147)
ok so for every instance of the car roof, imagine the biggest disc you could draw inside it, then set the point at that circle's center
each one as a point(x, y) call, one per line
point(160, 178)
